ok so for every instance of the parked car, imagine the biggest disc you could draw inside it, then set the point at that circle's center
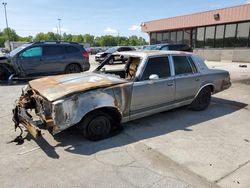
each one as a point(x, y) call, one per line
point(102, 55)
point(44, 58)
point(172, 47)
point(98, 102)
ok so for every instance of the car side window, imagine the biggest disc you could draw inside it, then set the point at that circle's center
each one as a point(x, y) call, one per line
point(172, 47)
point(192, 64)
point(182, 65)
point(127, 49)
point(32, 52)
point(53, 50)
point(157, 65)
point(71, 49)
point(164, 48)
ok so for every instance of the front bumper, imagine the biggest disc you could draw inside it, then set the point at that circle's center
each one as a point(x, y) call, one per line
point(21, 116)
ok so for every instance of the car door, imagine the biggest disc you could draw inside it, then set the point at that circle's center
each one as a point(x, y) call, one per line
point(187, 78)
point(30, 60)
point(149, 94)
point(54, 59)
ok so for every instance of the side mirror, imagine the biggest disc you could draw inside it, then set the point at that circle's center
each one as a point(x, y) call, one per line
point(153, 77)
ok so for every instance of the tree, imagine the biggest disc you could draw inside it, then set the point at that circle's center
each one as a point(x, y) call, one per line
point(87, 38)
point(11, 33)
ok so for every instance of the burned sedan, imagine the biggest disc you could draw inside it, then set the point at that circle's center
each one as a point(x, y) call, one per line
point(98, 102)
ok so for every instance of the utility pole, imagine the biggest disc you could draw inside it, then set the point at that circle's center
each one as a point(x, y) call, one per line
point(59, 26)
point(6, 20)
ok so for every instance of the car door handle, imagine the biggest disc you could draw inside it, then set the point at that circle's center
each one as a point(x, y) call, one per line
point(197, 79)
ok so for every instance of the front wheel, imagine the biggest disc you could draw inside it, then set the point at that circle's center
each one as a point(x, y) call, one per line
point(97, 125)
point(202, 100)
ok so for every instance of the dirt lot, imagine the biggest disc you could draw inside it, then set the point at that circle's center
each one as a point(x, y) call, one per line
point(179, 148)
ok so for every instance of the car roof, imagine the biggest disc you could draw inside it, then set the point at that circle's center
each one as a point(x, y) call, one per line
point(147, 53)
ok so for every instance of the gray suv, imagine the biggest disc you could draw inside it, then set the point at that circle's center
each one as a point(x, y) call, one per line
point(44, 58)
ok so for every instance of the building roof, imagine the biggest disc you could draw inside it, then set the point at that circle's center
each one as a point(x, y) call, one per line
point(226, 15)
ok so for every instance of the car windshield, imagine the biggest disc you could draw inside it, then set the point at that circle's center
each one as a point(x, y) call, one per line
point(111, 50)
point(18, 49)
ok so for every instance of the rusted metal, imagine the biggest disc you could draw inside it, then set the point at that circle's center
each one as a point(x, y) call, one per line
point(55, 87)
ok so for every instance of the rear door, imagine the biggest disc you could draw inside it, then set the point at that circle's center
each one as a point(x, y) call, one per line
point(187, 78)
point(54, 59)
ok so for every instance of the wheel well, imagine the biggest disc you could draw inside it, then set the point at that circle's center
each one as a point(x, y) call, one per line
point(211, 87)
point(112, 111)
point(74, 64)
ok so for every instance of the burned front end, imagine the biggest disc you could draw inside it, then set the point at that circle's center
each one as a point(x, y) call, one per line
point(34, 112)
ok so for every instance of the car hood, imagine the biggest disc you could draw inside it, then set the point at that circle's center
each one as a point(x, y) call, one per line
point(56, 87)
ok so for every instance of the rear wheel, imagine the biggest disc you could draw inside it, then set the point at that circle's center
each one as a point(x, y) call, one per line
point(97, 125)
point(202, 101)
point(72, 68)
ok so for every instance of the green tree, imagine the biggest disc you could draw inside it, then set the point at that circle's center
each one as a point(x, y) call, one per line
point(90, 39)
point(11, 33)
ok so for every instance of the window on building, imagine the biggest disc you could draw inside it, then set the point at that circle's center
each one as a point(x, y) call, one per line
point(157, 65)
point(158, 38)
point(173, 37)
point(218, 43)
point(187, 36)
point(153, 38)
point(229, 39)
point(165, 37)
point(209, 37)
point(179, 37)
point(182, 65)
point(193, 38)
point(200, 37)
point(242, 34)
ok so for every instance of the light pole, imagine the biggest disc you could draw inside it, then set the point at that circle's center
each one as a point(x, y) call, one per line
point(6, 20)
point(59, 25)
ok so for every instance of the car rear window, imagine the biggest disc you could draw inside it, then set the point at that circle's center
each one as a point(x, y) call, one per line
point(157, 65)
point(71, 49)
point(182, 65)
point(53, 50)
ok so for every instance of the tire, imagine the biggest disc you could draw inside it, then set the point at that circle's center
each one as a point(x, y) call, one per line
point(97, 125)
point(4, 73)
point(72, 68)
point(111, 61)
point(202, 101)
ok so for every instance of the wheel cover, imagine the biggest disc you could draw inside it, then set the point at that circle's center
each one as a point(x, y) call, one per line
point(100, 126)
point(111, 61)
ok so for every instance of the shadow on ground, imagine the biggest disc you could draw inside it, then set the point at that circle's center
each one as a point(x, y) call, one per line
point(148, 127)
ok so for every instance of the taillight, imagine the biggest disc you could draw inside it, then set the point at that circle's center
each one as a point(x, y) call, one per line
point(85, 54)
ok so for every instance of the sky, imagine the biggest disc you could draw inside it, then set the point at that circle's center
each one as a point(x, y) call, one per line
point(98, 17)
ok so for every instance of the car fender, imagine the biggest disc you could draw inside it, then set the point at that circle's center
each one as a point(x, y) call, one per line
point(70, 111)
point(203, 85)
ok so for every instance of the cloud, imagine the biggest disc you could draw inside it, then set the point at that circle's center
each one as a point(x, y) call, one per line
point(110, 30)
point(134, 28)
point(247, 2)
point(55, 30)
